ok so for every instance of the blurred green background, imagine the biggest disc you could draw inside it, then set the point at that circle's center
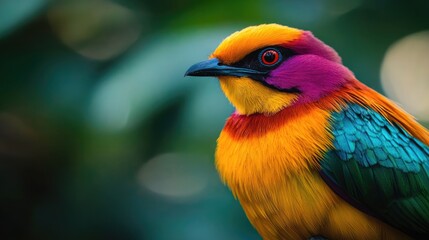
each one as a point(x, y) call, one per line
point(101, 136)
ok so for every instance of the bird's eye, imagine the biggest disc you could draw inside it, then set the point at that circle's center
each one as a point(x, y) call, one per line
point(270, 57)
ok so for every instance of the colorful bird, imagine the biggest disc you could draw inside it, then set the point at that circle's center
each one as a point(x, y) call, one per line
point(311, 152)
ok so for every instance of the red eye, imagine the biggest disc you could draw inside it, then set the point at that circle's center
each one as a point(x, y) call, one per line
point(270, 57)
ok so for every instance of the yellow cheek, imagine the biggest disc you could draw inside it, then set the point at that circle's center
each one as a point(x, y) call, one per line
point(249, 96)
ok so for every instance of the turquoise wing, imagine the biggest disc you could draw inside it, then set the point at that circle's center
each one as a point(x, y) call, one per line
point(379, 168)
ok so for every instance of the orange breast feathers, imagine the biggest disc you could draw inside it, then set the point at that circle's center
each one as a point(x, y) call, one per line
point(256, 153)
point(291, 140)
point(270, 163)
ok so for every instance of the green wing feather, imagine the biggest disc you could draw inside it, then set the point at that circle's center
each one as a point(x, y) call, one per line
point(379, 168)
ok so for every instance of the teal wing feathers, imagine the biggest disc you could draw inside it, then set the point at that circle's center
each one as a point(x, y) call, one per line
point(379, 168)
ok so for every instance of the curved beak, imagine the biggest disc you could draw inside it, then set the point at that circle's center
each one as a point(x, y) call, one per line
point(213, 68)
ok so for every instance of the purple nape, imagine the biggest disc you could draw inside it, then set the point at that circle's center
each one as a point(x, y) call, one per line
point(309, 44)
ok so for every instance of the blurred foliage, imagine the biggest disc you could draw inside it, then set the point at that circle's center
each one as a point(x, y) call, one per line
point(101, 137)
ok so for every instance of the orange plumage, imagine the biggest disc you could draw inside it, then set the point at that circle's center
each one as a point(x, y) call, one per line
point(273, 150)
point(270, 162)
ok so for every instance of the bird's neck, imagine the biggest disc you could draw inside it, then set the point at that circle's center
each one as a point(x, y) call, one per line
point(250, 97)
point(259, 149)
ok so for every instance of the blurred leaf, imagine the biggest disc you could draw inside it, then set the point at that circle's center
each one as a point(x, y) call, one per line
point(14, 13)
point(150, 77)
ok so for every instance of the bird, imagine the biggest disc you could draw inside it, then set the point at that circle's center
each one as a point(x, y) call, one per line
point(310, 152)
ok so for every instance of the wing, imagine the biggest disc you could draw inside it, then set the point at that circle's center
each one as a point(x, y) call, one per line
point(379, 168)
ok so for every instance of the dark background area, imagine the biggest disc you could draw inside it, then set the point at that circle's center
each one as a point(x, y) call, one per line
point(101, 136)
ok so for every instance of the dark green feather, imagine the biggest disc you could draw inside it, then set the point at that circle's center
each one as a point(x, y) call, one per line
point(379, 168)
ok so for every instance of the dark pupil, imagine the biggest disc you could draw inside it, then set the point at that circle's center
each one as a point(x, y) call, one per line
point(269, 56)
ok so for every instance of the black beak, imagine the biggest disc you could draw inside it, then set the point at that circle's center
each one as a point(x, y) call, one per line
point(213, 68)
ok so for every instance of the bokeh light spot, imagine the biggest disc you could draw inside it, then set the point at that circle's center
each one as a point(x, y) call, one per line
point(173, 175)
point(405, 74)
point(98, 29)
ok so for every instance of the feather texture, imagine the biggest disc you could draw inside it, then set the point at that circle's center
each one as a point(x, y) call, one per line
point(381, 167)
point(332, 158)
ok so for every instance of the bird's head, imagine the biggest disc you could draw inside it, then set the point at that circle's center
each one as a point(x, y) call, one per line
point(265, 68)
